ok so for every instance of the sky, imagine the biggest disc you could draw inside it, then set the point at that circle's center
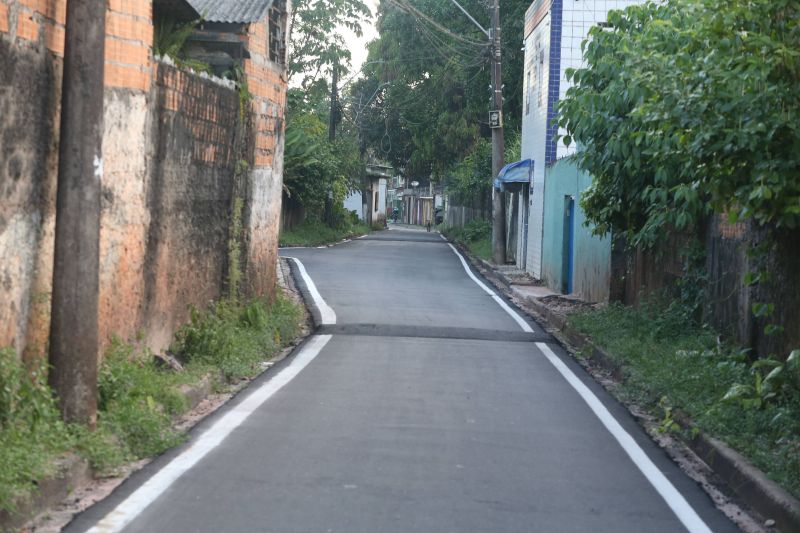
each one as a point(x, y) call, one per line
point(358, 45)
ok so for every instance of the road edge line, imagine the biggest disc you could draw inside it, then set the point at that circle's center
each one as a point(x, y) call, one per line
point(132, 506)
point(503, 305)
point(673, 498)
point(326, 313)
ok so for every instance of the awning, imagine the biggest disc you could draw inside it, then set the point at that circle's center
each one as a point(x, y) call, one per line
point(514, 175)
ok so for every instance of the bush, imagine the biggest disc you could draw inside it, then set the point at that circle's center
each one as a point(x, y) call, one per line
point(237, 338)
point(31, 432)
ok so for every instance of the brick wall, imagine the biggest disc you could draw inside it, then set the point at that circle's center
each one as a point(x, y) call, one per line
point(189, 198)
point(267, 84)
point(168, 177)
point(129, 39)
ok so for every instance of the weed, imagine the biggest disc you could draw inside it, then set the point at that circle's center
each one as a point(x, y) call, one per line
point(475, 235)
point(672, 364)
point(31, 432)
point(314, 233)
point(236, 338)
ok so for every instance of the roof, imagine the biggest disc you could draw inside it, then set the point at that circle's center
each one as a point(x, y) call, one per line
point(179, 10)
point(234, 11)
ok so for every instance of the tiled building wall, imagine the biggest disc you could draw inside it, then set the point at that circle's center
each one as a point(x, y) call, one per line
point(534, 126)
point(579, 16)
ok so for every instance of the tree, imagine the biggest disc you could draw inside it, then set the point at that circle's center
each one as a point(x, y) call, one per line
point(688, 107)
point(422, 103)
point(316, 45)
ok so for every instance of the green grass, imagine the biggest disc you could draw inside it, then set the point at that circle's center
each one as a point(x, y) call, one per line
point(476, 236)
point(137, 401)
point(32, 435)
point(315, 233)
point(669, 363)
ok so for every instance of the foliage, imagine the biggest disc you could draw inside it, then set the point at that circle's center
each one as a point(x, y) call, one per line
point(235, 273)
point(136, 401)
point(236, 338)
point(476, 235)
point(314, 167)
point(671, 364)
point(422, 103)
point(31, 432)
point(313, 232)
point(170, 41)
point(688, 106)
point(773, 381)
point(317, 45)
point(469, 183)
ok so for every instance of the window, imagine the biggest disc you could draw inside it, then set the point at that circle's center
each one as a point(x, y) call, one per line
point(528, 94)
point(375, 205)
point(277, 32)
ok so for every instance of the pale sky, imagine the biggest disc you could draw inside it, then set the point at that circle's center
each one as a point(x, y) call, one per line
point(358, 45)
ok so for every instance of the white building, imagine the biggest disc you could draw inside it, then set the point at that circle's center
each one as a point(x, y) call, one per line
point(554, 30)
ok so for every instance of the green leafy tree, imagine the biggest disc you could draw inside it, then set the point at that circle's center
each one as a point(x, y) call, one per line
point(317, 45)
point(423, 101)
point(689, 107)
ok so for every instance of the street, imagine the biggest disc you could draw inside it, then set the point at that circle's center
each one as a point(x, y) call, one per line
point(422, 404)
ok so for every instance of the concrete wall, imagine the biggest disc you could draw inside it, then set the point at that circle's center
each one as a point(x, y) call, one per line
point(29, 115)
point(168, 184)
point(591, 254)
point(267, 83)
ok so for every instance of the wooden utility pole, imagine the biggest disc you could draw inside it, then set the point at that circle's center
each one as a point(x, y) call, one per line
point(498, 142)
point(74, 334)
point(496, 124)
point(332, 138)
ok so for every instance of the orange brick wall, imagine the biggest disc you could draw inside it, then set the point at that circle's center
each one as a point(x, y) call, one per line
point(207, 115)
point(37, 21)
point(129, 41)
point(129, 31)
point(267, 84)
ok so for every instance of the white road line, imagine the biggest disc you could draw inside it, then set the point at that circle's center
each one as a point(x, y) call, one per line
point(518, 319)
point(327, 314)
point(674, 499)
point(142, 497)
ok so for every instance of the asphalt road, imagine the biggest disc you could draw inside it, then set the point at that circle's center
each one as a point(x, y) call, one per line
point(423, 407)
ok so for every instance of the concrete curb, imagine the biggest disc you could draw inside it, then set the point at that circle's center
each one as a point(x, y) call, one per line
point(749, 483)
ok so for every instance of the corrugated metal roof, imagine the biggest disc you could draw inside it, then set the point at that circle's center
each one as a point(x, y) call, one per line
point(235, 11)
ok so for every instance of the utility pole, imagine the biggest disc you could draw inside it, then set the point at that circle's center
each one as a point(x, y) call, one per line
point(498, 142)
point(332, 138)
point(496, 124)
point(334, 104)
point(74, 337)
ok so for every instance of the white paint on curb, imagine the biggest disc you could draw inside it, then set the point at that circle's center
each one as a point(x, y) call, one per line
point(142, 497)
point(327, 314)
point(674, 499)
point(513, 314)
